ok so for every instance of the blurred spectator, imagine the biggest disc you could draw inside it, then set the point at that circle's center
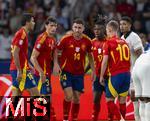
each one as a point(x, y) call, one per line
point(125, 8)
point(112, 13)
point(5, 42)
point(146, 15)
point(145, 43)
point(60, 32)
point(138, 27)
point(15, 20)
point(39, 19)
point(61, 20)
point(140, 5)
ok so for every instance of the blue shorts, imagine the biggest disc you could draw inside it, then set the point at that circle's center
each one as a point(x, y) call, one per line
point(118, 85)
point(97, 87)
point(27, 82)
point(45, 87)
point(74, 81)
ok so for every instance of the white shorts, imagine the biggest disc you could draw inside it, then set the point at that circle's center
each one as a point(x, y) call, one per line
point(141, 76)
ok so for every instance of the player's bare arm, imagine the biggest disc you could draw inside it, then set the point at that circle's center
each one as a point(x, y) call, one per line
point(103, 68)
point(56, 68)
point(15, 54)
point(91, 63)
point(34, 61)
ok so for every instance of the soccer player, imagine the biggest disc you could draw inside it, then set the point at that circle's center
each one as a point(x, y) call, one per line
point(116, 56)
point(141, 76)
point(136, 49)
point(74, 48)
point(97, 51)
point(43, 54)
point(19, 67)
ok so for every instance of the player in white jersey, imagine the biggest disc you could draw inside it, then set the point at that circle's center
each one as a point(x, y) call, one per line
point(136, 48)
point(141, 79)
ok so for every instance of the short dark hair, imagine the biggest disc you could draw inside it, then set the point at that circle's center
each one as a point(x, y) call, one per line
point(78, 21)
point(50, 19)
point(127, 19)
point(100, 20)
point(114, 24)
point(26, 18)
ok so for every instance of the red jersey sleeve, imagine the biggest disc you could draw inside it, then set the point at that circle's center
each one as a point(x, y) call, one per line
point(19, 38)
point(39, 44)
point(106, 48)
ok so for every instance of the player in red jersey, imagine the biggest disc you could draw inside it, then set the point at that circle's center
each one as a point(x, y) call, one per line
point(74, 48)
point(43, 54)
point(117, 59)
point(19, 68)
point(97, 51)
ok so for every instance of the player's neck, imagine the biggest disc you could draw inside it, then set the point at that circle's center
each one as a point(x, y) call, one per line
point(126, 34)
point(50, 35)
point(77, 37)
point(26, 29)
point(100, 38)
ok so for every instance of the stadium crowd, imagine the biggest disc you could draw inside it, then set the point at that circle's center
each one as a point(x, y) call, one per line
point(109, 55)
point(65, 11)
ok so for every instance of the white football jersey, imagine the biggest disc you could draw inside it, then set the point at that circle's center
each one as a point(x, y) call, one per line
point(134, 43)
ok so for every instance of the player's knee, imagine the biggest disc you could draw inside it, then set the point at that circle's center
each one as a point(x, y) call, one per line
point(122, 100)
point(76, 99)
point(68, 97)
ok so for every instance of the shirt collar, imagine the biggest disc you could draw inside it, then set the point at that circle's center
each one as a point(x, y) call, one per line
point(127, 34)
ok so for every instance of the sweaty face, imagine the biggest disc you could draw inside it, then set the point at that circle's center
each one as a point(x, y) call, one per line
point(99, 31)
point(124, 26)
point(51, 28)
point(77, 29)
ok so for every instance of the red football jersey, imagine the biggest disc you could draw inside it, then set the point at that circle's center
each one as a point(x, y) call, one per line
point(97, 51)
point(119, 55)
point(73, 53)
point(45, 45)
point(20, 40)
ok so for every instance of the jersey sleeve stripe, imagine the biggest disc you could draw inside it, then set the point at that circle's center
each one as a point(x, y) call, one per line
point(43, 38)
point(23, 35)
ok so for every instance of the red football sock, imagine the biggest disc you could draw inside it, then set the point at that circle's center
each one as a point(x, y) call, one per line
point(52, 114)
point(123, 110)
point(113, 111)
point(66, 109)
point(75, 111)
point(96, 110)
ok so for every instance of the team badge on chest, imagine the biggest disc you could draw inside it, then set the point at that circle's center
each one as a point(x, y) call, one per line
point(21, 42)
point(99, 50)
point(77, 49)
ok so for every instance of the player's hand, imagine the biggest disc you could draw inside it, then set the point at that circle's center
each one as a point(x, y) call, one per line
point(19, 75)
point(43, 77)
point(101, 80)
point(56, 68)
